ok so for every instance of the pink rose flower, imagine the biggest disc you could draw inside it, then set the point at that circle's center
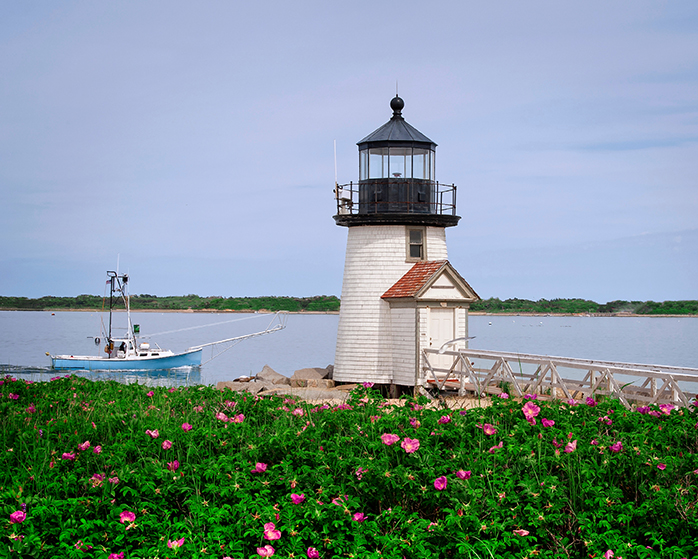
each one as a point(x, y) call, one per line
point(440, 483)
point(239, 418)
point(410, 445)
point(259, 468)
point(127, 516)
point(173, 466)
point(521, 532)
point(463, 474)
point(547, 422)
point(97, 480)
point(270, 532)
point(166, 445)
point(186, 427)
point(530, 411)
point(496, 447)
point(312, 553)
point(17, 517)
point(266, 551)
point(97, 449)
point(571, 446)
point(666, 408)
point(389, 439)
point(297, 499)
point(84, 446)
point(444, 419)
point(174, 544)
point(358, 517)
point(154, 434)
point(489, 429)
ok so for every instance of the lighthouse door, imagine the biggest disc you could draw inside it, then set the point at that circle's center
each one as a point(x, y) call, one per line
point(441, 330)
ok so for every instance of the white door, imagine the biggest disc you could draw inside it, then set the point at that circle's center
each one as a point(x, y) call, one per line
point(441, 330)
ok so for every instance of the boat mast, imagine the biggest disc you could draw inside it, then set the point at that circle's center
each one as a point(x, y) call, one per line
point(127, 302)
point(112, 276)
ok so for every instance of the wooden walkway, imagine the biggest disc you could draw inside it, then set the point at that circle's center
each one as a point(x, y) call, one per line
point(489, 372)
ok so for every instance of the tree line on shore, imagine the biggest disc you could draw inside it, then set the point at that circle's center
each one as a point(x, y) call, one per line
point(321, 303)
point(330, 303)
point(583, 306)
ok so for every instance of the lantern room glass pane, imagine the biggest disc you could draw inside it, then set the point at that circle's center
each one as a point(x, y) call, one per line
point(400, 162)
point(378, 163)
point(419, 161)
point(363, 164)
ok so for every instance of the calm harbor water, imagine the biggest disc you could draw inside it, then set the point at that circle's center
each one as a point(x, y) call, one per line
point(309, 340)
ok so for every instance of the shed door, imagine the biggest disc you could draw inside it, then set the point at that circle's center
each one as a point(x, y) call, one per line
point(441, 330)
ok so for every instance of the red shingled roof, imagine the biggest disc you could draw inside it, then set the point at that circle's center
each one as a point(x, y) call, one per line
point(414, 280)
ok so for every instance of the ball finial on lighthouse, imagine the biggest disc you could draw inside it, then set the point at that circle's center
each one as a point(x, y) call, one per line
point(397, 104)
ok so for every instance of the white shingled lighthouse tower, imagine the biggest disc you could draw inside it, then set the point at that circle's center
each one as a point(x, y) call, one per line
point(400, 294)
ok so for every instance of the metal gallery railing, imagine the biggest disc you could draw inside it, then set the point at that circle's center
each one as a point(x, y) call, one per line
point(399, 197)
point(550, 376)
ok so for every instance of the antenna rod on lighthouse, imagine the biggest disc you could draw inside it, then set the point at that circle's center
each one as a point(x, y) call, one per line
point(335, 163)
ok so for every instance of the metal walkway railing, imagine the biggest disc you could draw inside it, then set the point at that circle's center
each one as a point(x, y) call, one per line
point(543, 375)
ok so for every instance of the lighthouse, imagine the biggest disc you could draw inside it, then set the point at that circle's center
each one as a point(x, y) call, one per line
point(400, 294)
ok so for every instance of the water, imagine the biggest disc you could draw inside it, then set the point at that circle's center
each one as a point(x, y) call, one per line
point(309, 341)
point(647, 340)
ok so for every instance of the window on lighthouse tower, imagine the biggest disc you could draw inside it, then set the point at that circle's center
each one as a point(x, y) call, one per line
point(415, 245)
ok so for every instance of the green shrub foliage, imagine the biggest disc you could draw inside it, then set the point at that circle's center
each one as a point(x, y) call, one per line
point(106, 470)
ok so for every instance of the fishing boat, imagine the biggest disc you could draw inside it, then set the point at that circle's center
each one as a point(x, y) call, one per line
point(124, 352)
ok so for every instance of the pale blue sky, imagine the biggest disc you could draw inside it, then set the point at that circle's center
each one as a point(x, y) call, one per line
point(195, 141)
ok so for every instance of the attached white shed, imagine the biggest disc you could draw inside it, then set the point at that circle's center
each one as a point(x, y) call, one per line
point(428, 308)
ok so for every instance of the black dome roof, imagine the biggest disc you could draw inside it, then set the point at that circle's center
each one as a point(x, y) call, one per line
point(396, 131)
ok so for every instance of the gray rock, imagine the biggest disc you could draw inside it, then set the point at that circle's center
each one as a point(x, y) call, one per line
point(270, 375)
point(320, 383)
point(347, 387)
point(310, 372)
point(330, 371)
point(252, 387)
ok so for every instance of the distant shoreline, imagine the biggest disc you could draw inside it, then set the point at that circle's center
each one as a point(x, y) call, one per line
point(583, 315)
point(331, 304)
point(470, 313)
point(186, 311)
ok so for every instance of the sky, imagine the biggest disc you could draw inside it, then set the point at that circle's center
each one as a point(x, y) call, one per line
point(193, 142)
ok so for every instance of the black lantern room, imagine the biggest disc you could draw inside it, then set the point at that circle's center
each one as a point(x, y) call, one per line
point(397, 180)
